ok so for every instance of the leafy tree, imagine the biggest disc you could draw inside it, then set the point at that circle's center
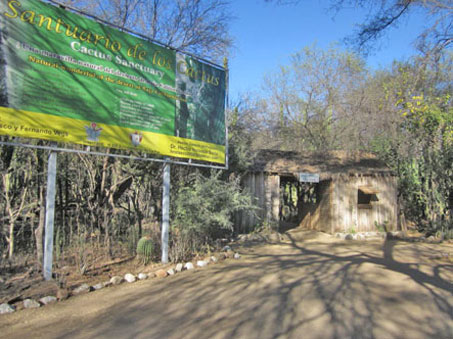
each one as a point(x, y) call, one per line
point(416, 97)
point(429, 174)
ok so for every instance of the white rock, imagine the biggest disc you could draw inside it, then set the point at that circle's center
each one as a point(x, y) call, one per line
point(213, 259)
point(226, 248)
point(202, 263)
point(237, 256)
point(30, 303)
point(116, 280)
point(130, 278)
point(6, 308)
point(99, 286)
point(179, 267)
point(189, 266)
point(171, 271)
point(84, 288)
point(48, 300)
point(142, 276)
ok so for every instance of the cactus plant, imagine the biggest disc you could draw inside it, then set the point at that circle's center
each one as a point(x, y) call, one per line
point(145, 250)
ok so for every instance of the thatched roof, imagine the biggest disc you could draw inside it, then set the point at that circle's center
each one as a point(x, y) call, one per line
point(327, 165)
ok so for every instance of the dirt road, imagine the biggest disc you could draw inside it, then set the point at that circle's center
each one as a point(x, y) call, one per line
point(309, 287)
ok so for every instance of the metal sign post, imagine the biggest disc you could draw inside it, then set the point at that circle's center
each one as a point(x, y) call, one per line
point(50, 213)
point(165, 212)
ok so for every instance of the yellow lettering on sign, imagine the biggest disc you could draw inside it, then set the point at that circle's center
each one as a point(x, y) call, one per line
point(11, 6)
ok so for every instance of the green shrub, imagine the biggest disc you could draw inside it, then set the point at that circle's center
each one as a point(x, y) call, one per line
point(440, 228)
point(203, 211)
point(145, 250)
point(448, 234)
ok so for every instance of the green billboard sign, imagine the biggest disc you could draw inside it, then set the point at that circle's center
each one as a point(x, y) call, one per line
point(72, 79)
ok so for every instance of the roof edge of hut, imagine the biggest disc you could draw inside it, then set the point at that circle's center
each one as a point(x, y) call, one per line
point(329, 165)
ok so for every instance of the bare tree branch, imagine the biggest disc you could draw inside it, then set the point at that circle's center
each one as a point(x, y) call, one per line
point(385, 14)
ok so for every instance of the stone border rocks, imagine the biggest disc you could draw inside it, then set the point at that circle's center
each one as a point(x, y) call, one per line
point(130, 278)
point(7, 308)
point(189, 266)
point(64, 293)
point(48, 300)
point(116, 280)
point(362, 236)
point(397, 235)
point(142, 276)
point(82, 289)
point(161, 273)
point(202, 263)
point(179, 267)
point(30, 303)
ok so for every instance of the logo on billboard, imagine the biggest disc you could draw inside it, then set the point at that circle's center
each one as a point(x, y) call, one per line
point(93, 132)
point(136, 138)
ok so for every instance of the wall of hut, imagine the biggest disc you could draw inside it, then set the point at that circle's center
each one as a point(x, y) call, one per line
point(338, 206)
point(265, 189)
point(348, 214)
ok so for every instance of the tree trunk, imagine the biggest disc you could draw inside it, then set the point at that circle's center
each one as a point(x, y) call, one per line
point(11, 239)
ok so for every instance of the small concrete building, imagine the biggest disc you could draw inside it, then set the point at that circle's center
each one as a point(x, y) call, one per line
point(332, 192)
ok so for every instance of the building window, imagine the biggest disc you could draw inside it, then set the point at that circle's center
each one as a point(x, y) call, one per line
point(366, 195)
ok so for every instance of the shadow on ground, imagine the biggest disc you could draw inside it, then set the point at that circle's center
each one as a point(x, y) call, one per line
point(300, 289)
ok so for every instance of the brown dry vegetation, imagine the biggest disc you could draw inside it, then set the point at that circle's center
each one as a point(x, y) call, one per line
point(23, 278)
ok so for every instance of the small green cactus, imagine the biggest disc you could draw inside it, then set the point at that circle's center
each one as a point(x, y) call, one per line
point(145, 250)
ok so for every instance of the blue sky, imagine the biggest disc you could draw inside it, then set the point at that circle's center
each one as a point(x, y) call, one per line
point(267, 34)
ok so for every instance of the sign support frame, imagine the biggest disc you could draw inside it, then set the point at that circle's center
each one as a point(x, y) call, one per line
point(113, 155)
point(165, 212)
point(50, 214)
